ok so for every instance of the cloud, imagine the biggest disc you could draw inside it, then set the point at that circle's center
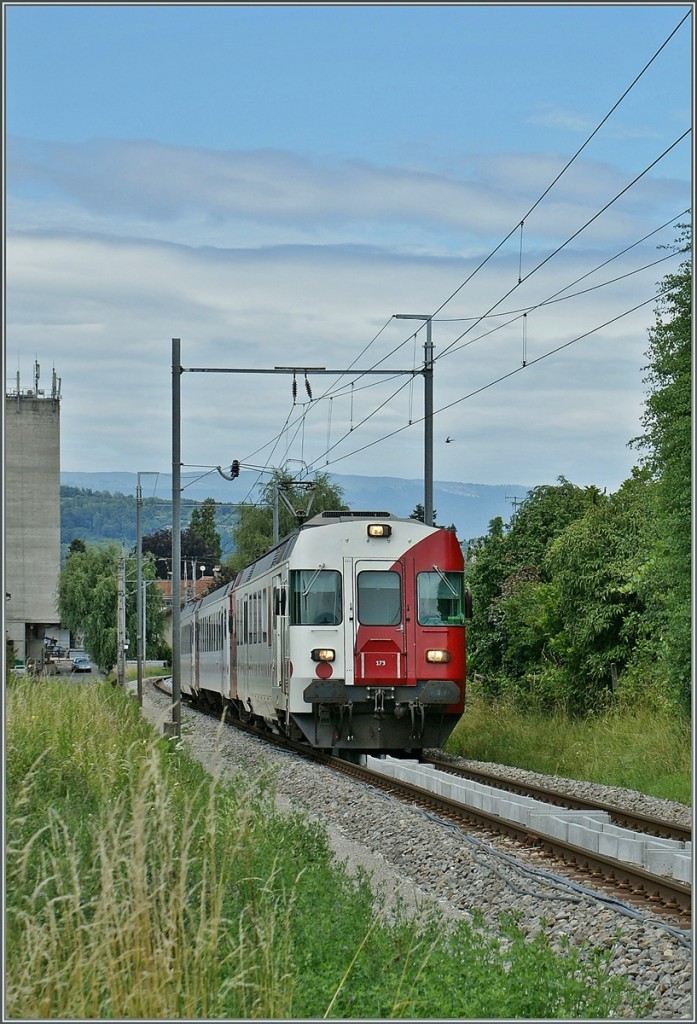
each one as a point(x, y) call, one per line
point(103, 312)
point(184, 193)
point(256, 259)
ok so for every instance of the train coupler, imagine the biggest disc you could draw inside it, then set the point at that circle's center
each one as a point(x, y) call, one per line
point(348, 706)
point(414, 707)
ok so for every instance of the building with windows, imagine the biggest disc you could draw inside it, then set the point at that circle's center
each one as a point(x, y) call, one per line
point(32, 517)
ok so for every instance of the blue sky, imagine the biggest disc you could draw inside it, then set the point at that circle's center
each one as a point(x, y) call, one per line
point(271, 183)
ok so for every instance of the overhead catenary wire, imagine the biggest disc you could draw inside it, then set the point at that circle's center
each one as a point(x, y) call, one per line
point(554, 297)
point(570, 239)
point(515, 315)
point(451, 348)
point(566, 166)
point(504, 376)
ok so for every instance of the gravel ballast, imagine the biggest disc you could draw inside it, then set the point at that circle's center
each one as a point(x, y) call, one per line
point(412, 853)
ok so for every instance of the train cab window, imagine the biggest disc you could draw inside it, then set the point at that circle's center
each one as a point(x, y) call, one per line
point(315, 597)
point(379, 598)
point(441, 597)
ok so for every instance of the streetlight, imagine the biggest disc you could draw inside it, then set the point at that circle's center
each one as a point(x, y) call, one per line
point(428, 414)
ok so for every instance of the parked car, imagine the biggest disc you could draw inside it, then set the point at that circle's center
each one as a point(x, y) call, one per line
point(81, 665)
point(19, 668)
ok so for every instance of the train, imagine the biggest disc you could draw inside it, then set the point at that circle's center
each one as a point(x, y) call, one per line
point(348, 635)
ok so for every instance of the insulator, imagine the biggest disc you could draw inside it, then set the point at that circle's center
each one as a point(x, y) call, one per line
point(295, 388)
point(308, 388)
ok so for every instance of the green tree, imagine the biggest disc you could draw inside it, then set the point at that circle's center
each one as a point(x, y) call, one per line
point(193, 548)
point(202, 523)
point(516, 641)
point(667, 452)
point(88, 601)
point(596, 565)
point(253, 533)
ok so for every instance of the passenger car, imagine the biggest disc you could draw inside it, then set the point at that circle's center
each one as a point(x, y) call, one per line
point(81, 665)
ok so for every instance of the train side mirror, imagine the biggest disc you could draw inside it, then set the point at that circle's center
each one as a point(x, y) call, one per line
point(468, 605)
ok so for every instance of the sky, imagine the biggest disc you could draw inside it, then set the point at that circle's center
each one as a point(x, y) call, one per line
point(280, 184)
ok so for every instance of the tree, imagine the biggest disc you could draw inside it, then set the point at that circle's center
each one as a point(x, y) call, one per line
point(88, 601)
point(253, 533)
point(515, 612)
point(159, 546)
point(419, 513)
point(596, 567)
point(202, 524)
point(667, 447)
point(194, 548)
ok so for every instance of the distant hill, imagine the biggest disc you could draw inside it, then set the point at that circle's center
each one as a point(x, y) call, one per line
point(470, 507)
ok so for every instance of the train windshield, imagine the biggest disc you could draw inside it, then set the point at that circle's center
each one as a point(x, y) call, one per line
point(379, 598)
point(441, 598)
point(315, 597)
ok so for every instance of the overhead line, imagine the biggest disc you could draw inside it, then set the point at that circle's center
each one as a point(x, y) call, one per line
point(565, 168)
point(449, 349)
point(571, 237)
point(504, 376)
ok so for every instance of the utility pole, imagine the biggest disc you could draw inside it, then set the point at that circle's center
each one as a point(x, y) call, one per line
point(173, 728)
point(140, 615)
point(121, 624)
point(428, 414)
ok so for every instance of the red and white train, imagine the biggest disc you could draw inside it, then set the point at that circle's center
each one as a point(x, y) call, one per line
point(349, 634)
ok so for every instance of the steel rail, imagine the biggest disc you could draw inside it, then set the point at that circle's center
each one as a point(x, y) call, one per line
point(669, 894)
point(634, 820)
point(674, 895)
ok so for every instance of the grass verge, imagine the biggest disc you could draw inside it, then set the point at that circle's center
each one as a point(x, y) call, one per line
point(138, 887)
point(641, 749)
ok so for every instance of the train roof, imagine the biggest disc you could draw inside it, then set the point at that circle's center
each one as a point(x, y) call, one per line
point(344, 516)
point(283, 549)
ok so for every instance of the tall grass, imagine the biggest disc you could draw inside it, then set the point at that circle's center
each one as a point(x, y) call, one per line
point(644, 749)
point(138, 887)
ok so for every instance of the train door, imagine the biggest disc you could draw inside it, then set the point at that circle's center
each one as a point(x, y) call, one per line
point(232, 645)
point(195, 652)
point(380, 645)
point(280, 637)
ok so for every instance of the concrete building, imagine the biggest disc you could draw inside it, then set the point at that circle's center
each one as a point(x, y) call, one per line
point(32, 516)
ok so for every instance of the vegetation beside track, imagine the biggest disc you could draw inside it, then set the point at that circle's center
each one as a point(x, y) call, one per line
point(140, 887)
point(642, 748)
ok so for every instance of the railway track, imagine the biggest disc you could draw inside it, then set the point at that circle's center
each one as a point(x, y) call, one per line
point(650, 891)
point(654, 894)
point(641, 823)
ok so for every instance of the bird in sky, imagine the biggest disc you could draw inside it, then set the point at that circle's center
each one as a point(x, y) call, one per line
point(449, 439)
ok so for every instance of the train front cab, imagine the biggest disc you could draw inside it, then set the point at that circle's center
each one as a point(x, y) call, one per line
point(398, 680)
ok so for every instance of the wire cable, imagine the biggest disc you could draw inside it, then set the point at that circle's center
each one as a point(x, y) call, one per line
point(566, 166)
point(503, 377)
point(569, 239)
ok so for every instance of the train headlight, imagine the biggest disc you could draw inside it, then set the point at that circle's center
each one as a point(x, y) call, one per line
point(438, 657)
point(379, 530)
point(323, 654)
